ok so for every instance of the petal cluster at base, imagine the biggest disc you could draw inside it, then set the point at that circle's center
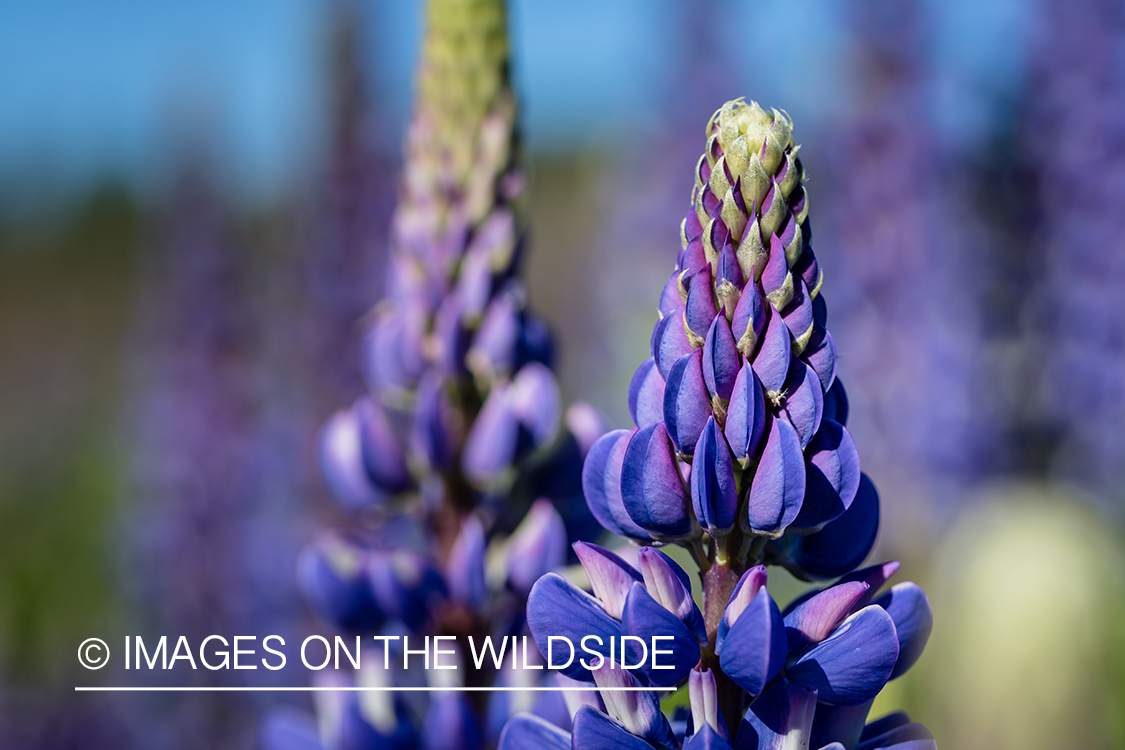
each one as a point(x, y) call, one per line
point(819, 664)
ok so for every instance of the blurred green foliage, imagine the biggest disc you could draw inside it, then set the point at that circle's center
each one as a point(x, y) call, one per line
point(65, 286)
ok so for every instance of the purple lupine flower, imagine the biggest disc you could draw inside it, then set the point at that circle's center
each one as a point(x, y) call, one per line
point(463, 431)
point(202, 542)
point(740, 454)
point(907, 273)
point(741, 390)
point(811, 672)
point(1073, 148)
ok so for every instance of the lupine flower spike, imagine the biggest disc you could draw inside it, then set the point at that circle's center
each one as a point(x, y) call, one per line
point(740, 454)
point(463, 430)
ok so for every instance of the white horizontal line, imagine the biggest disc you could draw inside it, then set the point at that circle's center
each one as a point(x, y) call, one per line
point(356, 689)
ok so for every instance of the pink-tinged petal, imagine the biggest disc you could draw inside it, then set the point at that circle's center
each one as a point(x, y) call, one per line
point(778, 487)
point(853, 664)
point(875, 576)
point(645, 618)
point(609, 576)
point(815, 618)
point(671, 587)
point(744, 592)
point(687, 405)
point(781, 719)
point(755, 647)
point(637, 710)
point(703, 695)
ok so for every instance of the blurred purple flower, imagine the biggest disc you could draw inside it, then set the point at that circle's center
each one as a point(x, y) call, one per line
point(1075, 151)
point(463, 431)
point(906, 269)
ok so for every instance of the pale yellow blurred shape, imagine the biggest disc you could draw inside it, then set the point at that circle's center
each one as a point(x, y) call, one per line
point(1027, 645)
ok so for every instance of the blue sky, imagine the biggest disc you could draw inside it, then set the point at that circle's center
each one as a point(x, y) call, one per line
point(90, 88)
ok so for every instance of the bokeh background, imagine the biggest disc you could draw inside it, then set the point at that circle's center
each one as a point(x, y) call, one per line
point(194, 200)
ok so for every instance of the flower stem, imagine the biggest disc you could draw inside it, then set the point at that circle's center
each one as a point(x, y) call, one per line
point(718, 585)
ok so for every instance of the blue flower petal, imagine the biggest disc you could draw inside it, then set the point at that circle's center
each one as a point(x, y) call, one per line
point(714, 492)
point(706, 739)
point(778, 487)
point(601, 484)
point(909, 608)
point(646, 394)
point(593, 729)
point(670, 586)
point(755, 646)
point(841, 545)
point(652, 487)
point(854, 663)
point(687, 405)
point(778, 720)
point(744, 592)
point(831, 477)
point(557, 607)
point(527, 732)
point(721, 361)
point(814, 619)
point(746, 416)
point(644, 617)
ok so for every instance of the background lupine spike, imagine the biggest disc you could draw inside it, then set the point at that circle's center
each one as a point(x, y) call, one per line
point(464, 429)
